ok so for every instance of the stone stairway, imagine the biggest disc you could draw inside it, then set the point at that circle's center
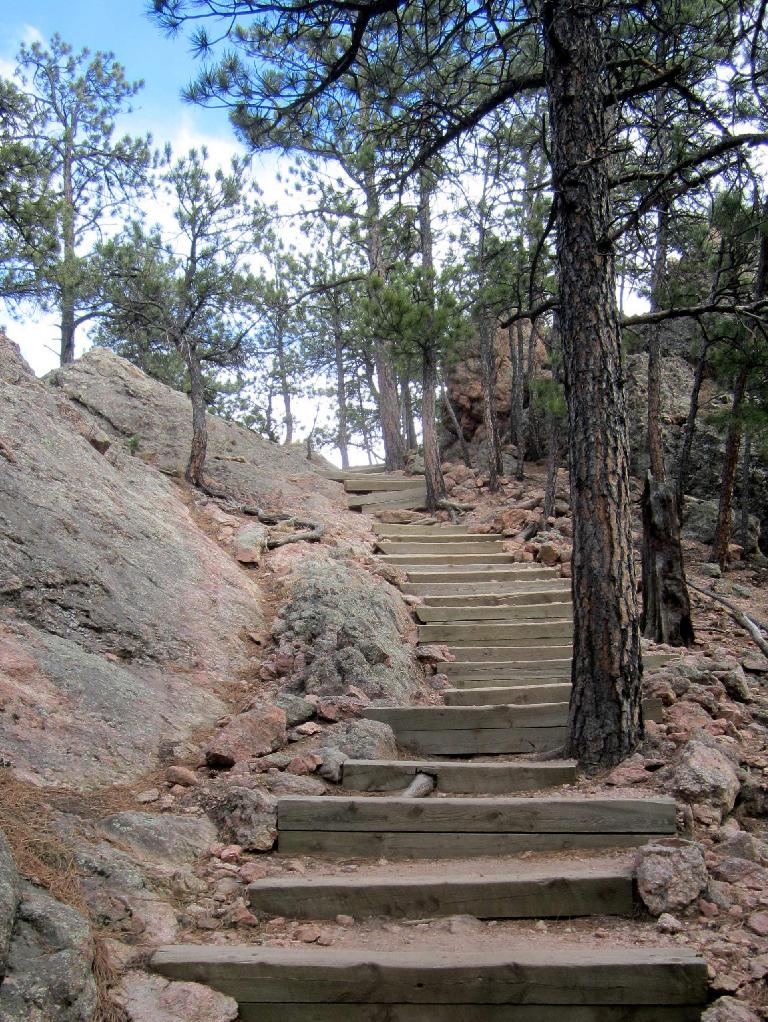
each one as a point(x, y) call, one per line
point(509, 627)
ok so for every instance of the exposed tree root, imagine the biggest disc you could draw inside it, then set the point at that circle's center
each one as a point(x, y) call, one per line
point(310, 532)
point(750, 626)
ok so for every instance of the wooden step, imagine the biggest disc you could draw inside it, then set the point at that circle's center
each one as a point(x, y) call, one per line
point(506, 667)
point(462, 827)
point(516, 695)
point(464, 1013)
point(513, 651)
point(473, 562)
point(500, 612)
point(459, 778)
point(476, 730)
point(456, 574)
point(426, 527)
point(497, 634)
point(357, 469)
point(531, 695)
point(469, 718)
point(330, 981)
point(394, 499)
point(361, 483)
point(545, 592)
point(531, 892)
point(441, 550)
point(520, 583)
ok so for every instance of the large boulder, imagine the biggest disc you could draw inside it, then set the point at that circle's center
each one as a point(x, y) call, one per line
point(728, 1009)
point(259, 731)
point(700, 524)
point(119, 616)
point(245, 816)
point(49, 975)
point(704, 774)
point(146, 998)
point(362, 739)
point(670, 875)
point(344, 627)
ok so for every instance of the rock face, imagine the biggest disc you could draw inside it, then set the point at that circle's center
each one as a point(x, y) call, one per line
point(247, 817)
point(166, 838)
point(700, 523)
point(130, 406)
point(670, 875)
point(49, 963)
point(343, 627)
point(728, 1009)
point(118, 616)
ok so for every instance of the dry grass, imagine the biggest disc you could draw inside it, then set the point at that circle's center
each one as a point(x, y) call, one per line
point(26, 818)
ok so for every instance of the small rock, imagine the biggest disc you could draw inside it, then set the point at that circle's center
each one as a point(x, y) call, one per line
point(344, 920)
point(231, 853)
point(704, 774)
point(250, 872)
point(250, 543)
point(247, 817)
point(297, 709)
point(728, 1009)
point(308, 729)
point(667, 923)
point(148, 796)
point(758, 923)
point(710, 570)
point(257, 732)
point(306, 934)
point(333, 765)
point(181, 775)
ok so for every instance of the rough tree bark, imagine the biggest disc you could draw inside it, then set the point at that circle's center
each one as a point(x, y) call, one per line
point(389, 406)
point(719, 552)
point(744, 496)
point(341, 392)
point(689, 429)
point(488, 379)
point(465, 456)
point(605, 717)
point(409, 424)
point(666, 613)
point(516, 426)
point(433, 473)
point(67, 296)
point(196, 463)
point(733, 438)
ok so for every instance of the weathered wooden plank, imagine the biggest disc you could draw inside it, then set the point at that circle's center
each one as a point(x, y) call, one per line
point(496, 634)
point(571, 890)
point(393, 498)
point(459, 778)
point(426, 526)
point(408, 504)
point(484, 741)
point(464, 1013)
point(360, 483)
point(437, 538)
point(466, 546)
point(514, 651)
point(538, 669)
point(518, 695)
point(544, 814)
point(477, 575)
point(497, 612)
point(448, 560)
point(469, 718)
point(430, 845)
point(532, 593)
point(608, 975)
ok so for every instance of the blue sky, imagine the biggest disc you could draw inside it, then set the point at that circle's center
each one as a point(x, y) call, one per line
point(165, 65)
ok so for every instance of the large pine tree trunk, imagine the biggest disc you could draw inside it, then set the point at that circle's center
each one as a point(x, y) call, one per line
point(446, 398)
point(389, 406)
point(516, 427)
point(341, 396)
point(605, 719)
point(409, 423)
point(433, 473)
point(666, 604)
point(488, 382)
point(69, 260)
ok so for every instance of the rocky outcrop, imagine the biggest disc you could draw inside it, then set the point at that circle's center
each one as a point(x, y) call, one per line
point(342, 627)
point(118, 615)
point(48, 973)
point(156, 422)
point(670, 875)
point(155, 999)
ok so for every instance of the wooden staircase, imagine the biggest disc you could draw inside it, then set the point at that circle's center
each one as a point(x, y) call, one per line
point(509, 628)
